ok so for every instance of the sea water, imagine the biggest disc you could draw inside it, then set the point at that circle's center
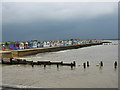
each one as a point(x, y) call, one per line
point(65, 77)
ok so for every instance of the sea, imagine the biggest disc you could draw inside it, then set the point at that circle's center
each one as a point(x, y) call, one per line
point(93, 76)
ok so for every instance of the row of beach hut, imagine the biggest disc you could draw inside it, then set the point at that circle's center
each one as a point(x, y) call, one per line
point(40, 44)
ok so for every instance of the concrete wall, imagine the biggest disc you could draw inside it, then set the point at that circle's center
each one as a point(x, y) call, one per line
point(7, 55)
point(27, 52)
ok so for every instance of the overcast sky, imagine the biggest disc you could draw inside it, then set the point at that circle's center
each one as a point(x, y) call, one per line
point(55, 21)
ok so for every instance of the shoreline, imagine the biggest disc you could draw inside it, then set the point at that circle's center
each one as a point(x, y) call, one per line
point(27, 52)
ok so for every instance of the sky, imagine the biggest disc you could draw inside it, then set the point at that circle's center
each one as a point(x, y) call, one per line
point(23, 21)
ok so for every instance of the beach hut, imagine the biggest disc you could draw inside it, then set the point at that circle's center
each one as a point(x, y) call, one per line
point(74, 42)
point(21, 45)
point(3, 46)
point(26, 45)
point(51, 43)
point(46, 44)
point(12, 47)
point(69, 42)
point(30, 44)
point(64, 43)
point(60, 43)
point(42, 44)
point(16, 45)
point(38, 44)
point(54, 43)
point(34, 44)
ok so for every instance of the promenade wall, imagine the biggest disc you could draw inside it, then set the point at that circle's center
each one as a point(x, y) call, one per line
point(27, 52)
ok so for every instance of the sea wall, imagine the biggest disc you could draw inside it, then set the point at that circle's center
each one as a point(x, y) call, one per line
point(27, 52)
point(6, 54)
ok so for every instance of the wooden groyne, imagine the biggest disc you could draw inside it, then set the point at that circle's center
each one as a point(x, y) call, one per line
point(44, 63)
point(13, 61)
point(27, 52)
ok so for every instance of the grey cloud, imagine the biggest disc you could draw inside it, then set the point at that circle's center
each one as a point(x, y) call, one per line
point(30, 12)
point(54, 21)
point(104, 27)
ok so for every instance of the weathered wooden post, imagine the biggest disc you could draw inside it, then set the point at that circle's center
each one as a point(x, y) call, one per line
point(61, 62)
point(17, 61)
point(2, 61)
point(57, 65)
point(88, 64)
point(71, 65)
point(49, 63)
point(74, 63)
point(115, 64)
point(10, 60)
point(44, 65)
point(84, 65)
point(101, 63)
point(24, 61)
point(32, 64)
point(38, 63)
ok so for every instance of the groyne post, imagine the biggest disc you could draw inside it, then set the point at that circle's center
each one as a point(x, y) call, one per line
point(71, 65)
point(44, 65)
point(38, 62)
point(2, 60)
point(32, 64)
point(11, 60)
point(88, 64)
point(24, 61)
point(115, 64)
point(101, 63)
point(84, 65)
point(18, 61)
point(74, 63)
point(49, 63)
point(57, 65)
point(61, 62)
